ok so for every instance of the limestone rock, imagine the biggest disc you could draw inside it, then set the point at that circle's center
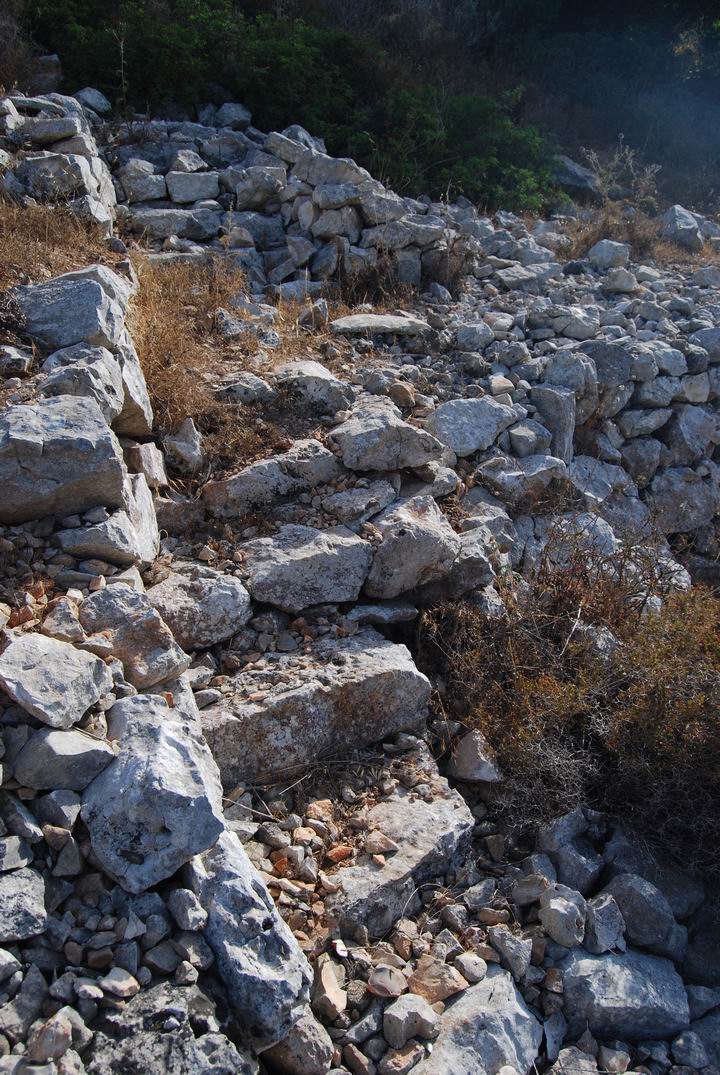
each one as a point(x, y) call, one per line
point(71, 309)
point(159, 802)
point(52, 680)
point(58, 457)
point(375, 437)
point(379, 325)
point(262, 968)
point(633, 997)
point(484, 1028)
point(307, 1050)
point(299, 708)
point(301, 566)
point(201, 606)
point(419, 546)
point(22, 905)
point(468, 425)
point(61, 759)
point(139, 637)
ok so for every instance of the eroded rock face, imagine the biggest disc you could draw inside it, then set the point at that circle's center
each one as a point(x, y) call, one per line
point(159, 801)
point(52, 680)
point(201, 607)
point(310, 706)
point(419, 546)
point(429, 836)
point(633, 997)
point(82, 464)
point(301, 566)
point(484, 1028)
point(265, 974)
point(74, 308)
point(375, 437)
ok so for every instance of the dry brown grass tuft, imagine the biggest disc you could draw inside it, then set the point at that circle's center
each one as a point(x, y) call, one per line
point(42, 241)
point(635, 734)
point(641, 232)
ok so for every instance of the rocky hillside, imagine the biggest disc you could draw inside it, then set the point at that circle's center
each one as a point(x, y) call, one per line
point(239, 833)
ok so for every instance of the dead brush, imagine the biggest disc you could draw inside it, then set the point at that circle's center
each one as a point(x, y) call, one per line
point(43, 241)
point(632, 731)
point(641, 232)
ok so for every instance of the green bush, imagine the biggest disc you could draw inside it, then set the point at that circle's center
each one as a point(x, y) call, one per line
point(421, 139)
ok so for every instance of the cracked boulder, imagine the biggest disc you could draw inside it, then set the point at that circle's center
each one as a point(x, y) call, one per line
point(419, 546)
point(296, 708)
point(159, 802)
point(375, 437)
point(201, 606)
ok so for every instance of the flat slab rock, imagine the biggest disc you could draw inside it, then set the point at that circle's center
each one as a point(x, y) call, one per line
point(52, 680)
point(487, 1026)
point(428, 834)
point(297, 708)
point(378, 325)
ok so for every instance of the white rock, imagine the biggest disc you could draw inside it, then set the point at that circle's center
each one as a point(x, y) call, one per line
point(468, 425)
point(201, 607)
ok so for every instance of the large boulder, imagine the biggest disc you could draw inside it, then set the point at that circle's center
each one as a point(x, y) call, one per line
point(297, 708)
point(138, 635)
point(301, 566)
point(375, 437)
point(681, 499)
point(125, 537)
point(53, 758)
point(418, 546)
point(52, 680)
point(307, 464)
point(58, 457)
point(633, 997)
point(201, 606)
point(159, 802)
point(484, 1029)
point(468, 425)
point(266, 976)
point(681, 226)
point(73, 308)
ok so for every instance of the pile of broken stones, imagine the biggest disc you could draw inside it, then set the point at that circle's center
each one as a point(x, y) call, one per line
point(183, 888)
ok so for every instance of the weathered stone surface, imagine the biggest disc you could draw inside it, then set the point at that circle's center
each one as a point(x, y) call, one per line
point(375, 437)
point(632, 997)
point(307, 1050)
point(71, 309)
point(429, 836)
point(265, 973)
point(52, 680)
point(520, 482)
point(58, 457)
point(52, 758)
point(22, 905)
point(473, 760)
point(17, 1016)
point(126, 537)
point(304, 466)
point(159, 802)
point(311, 711)
point(680, 499)
point(139, 637)
point(468, 425)
point(134, 1039)
point(419, 546)
point(201, 606)
point(314, 385)
point(484, 1028)
point(91, 372)
point(301, 566)
point(648, 917)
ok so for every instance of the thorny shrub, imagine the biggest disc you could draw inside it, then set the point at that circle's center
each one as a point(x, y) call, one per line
point(633, 730)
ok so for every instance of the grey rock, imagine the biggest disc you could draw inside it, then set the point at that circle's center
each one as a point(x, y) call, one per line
point(307, 464)
point(633, 997)
point(429, 835)
point(262, 968)
point(307, 1049)
point(468, 425)
point(61, 759)
point(577, 371)
point(301, 566)
point(52, 680)
point(681, 500)
point(164, 1031)
point(418, 546)
point(484, 1028)
point(648, 917)
point(309, 706)
point(515, 951)
point(159, 802)
point(91, 372)
point(379, 325)
point(126, 537)
point(138, 635)
point(375, 437)
point(682, 227)
point(58, 457)
point(520, 482)
point(22, 905)
point(201, 607)
point(71, 309)
point(556, 405)
point(707, 1030)
point(186, 187)
point(314, 385)
point(605, 926)
point(17, 1016)
point(410, 1016)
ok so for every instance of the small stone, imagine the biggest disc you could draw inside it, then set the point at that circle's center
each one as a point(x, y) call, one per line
point(50, 1041)
point(387, 981)
point(435, 980)
point(119, 983)
point(408, 1017)
point(471, 966)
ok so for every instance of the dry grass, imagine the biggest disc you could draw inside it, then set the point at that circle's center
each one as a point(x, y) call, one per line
point(641, 232)
point(40, 241)
point(635, 734)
